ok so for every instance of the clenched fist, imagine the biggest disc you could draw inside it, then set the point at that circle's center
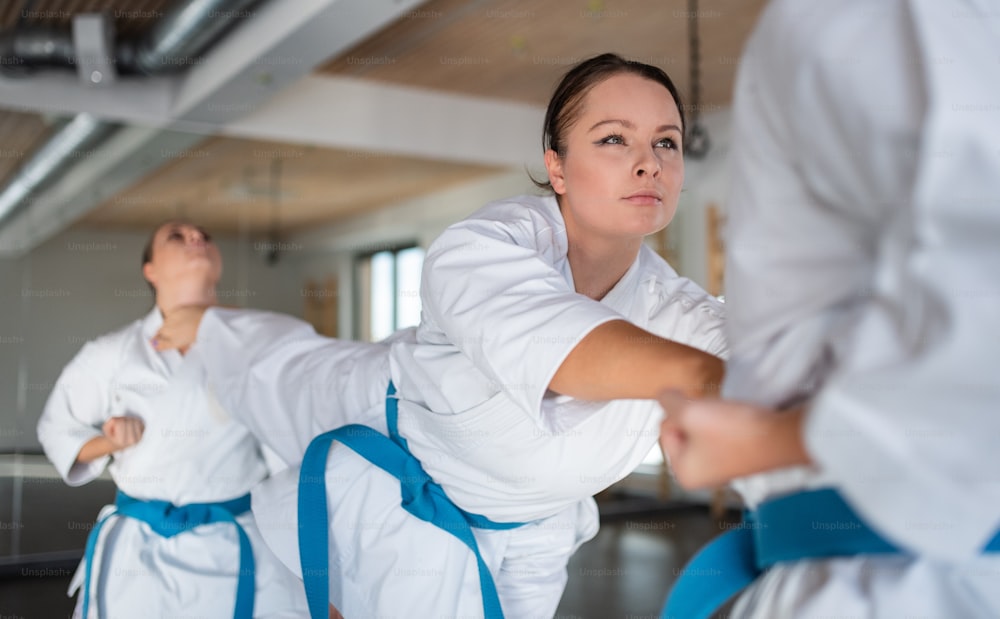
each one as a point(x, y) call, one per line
point(123, 432)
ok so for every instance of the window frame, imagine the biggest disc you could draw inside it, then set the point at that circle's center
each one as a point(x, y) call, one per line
point(362, 327)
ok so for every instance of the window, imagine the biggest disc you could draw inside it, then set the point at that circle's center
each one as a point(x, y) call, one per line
point(388, 287)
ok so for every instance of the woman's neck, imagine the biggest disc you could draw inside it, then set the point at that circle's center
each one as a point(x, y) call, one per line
point(598, 266)
point(190, 293)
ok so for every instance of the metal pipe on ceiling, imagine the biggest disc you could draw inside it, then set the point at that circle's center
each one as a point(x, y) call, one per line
point(173, 43)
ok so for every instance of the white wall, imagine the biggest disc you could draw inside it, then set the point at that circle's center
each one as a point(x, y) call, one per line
point(706, 181)
point(86, 282)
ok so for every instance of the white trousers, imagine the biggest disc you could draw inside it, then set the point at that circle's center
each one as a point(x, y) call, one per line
point(386, 563)
point(141, 574)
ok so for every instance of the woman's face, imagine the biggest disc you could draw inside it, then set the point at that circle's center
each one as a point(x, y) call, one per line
point(181, 251)
point(622, 170)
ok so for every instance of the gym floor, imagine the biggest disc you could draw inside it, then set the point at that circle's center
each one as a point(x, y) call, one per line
point(624, 572)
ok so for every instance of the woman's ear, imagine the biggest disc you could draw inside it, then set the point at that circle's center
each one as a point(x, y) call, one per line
point(553, 165)
point(149, 273)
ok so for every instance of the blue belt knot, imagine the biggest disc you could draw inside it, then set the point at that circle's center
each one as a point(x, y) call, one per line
point(168, 520)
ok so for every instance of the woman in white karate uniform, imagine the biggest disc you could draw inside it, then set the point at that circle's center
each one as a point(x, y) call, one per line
point(537, 313)
point(147, 416)
point(864, 247)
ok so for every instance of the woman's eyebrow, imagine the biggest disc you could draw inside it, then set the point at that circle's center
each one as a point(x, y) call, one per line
point(625, 123)
point(629, 125)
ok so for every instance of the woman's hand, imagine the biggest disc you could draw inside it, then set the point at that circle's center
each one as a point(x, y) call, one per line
point(711, 442)
point(123, 432)
point(118, 433)
point(179, 329)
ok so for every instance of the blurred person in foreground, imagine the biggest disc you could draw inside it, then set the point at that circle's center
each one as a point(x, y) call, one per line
point(861, 400)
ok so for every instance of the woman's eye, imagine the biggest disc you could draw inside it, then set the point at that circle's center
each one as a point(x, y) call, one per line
point(205, 236)
point(667, 143)
point(613, 139)
point(175, 236)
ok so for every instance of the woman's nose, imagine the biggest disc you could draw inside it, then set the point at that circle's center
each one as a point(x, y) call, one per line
point(195, 237)
point(648, 164)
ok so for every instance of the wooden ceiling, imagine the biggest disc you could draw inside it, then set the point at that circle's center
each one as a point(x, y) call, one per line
point(20, 134)
point(498, 49)
point(231, 184)
point(131, 16)
point(512, 49)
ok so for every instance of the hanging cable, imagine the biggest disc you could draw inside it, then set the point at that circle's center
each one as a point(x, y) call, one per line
point(275, 191)
point(696, 143)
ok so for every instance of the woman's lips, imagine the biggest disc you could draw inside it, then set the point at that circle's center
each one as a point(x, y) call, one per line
point(644, 199)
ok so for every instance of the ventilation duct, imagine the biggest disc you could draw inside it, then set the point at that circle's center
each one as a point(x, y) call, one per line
point(187, 30)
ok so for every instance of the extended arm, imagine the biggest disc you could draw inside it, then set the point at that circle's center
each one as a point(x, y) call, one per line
point(619, 360)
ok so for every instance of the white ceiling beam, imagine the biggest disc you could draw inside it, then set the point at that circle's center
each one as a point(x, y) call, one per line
point(285, 41)
point(130, 100)
point(355, 114)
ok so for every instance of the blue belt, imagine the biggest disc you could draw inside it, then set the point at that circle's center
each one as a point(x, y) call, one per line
point(422, 497)
point(168, 520)
point(814, 524)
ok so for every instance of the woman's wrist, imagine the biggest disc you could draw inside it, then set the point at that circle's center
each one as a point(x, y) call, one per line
point(784, 445)
point(95, 448)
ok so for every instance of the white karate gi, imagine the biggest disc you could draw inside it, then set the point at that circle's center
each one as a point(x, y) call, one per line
point(864, 247)
point(192, 451)
point(499, 316)
point(287, 384)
